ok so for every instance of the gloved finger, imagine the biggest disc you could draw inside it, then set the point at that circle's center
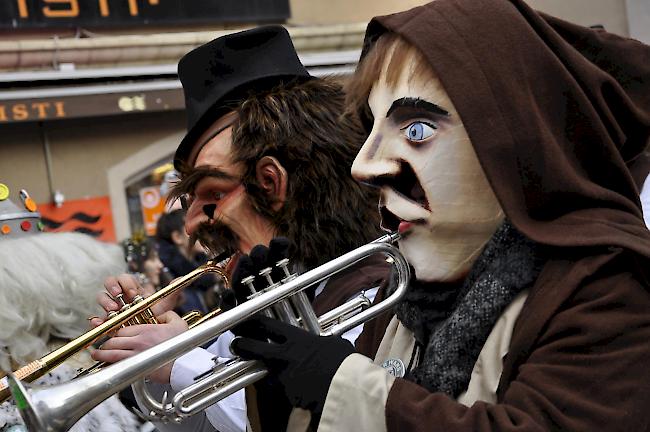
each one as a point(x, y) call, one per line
point(260, 254)
point(243, 269)
point(280, 331)
point(261, 328)
point(251, 328)
point(252, 349)
point(278, 249)
point(227, 300)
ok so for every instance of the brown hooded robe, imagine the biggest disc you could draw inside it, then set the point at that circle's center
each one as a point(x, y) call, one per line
point(555, 113)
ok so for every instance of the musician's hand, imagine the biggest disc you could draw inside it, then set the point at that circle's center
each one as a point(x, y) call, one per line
point(303, 363)
point(128, 285)
point(260, 258)
point(136, 338)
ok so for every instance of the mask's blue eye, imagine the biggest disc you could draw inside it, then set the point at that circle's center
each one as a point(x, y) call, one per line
point(418, 131)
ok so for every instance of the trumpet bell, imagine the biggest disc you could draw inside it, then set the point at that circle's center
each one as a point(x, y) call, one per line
point(32, 416)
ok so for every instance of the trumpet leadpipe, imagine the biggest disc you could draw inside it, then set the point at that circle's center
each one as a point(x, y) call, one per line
point(341, 313)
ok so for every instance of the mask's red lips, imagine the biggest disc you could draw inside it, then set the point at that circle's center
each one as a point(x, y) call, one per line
point(390, 222)
point(404, 227)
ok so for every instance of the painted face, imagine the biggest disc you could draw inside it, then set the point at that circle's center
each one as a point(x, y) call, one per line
point(220, 191)
point(433, 189)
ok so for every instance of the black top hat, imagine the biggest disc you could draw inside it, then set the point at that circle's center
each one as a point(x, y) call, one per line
point(217, 75)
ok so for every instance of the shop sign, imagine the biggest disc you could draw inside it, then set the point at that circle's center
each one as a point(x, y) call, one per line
point(16, 111)
point(116, 13)
point(31, 110)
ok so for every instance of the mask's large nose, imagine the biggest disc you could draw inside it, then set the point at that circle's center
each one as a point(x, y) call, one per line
point(374, 164)
point(195, 216)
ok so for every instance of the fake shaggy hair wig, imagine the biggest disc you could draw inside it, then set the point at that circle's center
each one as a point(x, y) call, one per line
point(387, 56)
point(326, 213)
point(48, 283)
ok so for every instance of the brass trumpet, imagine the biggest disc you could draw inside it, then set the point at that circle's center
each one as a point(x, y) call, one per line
point(57, 408)
point(136, 312)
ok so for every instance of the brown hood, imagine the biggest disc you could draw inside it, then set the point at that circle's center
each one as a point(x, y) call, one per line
point(555, 112)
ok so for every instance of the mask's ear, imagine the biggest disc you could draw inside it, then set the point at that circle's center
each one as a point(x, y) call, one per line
point(273, 178)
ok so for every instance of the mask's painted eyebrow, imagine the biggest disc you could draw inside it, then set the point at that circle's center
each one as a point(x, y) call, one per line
point(188, 183)
point(418, 103)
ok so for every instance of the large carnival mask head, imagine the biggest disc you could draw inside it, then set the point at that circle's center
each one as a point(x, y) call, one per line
point(219, 210)
point(433, 189)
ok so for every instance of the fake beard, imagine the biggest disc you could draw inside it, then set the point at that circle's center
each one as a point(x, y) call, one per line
point(217, 238)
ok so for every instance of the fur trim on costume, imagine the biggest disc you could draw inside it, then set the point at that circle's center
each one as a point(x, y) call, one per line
point(48, 284)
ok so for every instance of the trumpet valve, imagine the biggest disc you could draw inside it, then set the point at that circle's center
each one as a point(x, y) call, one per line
point(266, 274)
point(248, 281)
point(120, 299)
point(147, 316)
point(283, 264)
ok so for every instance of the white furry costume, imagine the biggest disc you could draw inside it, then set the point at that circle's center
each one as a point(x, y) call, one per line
point(48, 283)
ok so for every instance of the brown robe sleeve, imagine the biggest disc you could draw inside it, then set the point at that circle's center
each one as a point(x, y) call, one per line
point(587, 369)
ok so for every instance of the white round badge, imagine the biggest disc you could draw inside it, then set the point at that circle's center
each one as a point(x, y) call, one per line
point(395, 367)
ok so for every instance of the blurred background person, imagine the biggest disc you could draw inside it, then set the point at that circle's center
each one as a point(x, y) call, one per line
point(47, 291)
point(180, 257)
point(144, 262)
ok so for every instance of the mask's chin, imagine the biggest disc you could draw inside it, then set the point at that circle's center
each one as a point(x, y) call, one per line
point(435, 260)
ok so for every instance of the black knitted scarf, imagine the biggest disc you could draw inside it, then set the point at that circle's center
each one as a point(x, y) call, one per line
point(452, 321)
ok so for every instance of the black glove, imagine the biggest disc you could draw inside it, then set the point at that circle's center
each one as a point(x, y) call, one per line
point(250, 265)
point(303, 363)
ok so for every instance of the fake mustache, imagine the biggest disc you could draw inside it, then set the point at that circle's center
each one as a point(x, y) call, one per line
point(217, 238)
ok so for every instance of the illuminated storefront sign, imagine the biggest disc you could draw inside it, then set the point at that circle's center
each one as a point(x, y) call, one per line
point(33, 110)
point(112, 13)
point(16, 111)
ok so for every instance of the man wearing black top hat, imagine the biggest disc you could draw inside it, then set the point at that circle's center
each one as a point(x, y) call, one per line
point(267, 154)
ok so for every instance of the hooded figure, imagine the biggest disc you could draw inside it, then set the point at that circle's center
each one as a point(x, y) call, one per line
point(500, 140)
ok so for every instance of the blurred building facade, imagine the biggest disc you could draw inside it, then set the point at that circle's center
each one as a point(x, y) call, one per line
point(91, 109)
